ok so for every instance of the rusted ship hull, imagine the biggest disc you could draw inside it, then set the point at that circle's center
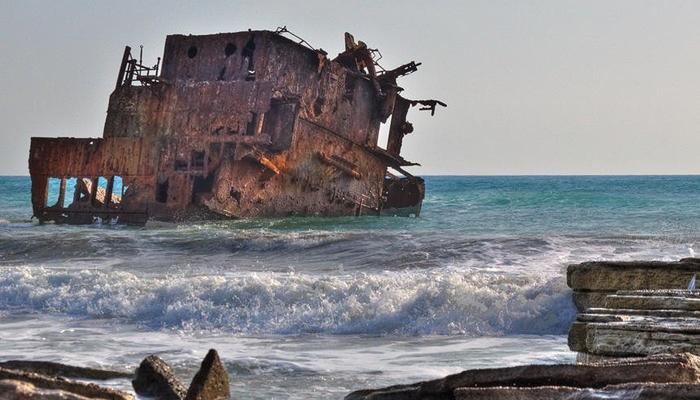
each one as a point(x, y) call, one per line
point(246, 124)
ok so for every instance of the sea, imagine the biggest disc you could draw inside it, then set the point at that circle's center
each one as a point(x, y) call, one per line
point(305, 308)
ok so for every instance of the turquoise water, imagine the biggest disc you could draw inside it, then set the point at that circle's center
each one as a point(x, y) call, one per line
point(316, 307)
point(583, 205)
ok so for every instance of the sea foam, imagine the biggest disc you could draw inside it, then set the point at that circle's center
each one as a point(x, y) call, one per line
point(444, 301)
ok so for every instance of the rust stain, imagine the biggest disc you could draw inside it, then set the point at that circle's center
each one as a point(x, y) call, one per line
point(245, 124)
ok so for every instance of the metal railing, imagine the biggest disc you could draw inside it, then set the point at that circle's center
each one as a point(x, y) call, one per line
point(133, 70)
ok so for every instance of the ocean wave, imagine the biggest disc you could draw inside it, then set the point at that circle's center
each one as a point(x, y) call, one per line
point(441, 301)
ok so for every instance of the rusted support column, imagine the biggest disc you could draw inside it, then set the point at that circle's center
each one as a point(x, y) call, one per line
point(122, 67)
point(93, 190)
point(259, 124)
point(77, 190)
point(108, 192)
point(399, 126)
point(130, 73)
point(61, 192)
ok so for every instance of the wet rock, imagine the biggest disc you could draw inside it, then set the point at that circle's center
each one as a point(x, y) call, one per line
point(58, 385)
point(68, 371)
point(211, 381)
point(155, 378)
point(683, 368)
point(633, 391)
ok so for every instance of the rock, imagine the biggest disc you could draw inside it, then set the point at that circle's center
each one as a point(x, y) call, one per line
point(683, 368)
point(154, 378)
point(519, 393)
point(631, 275)
point(640, 323)
point(593, 281)
point(68, 371)
point(585, 300)
point(89, 390)
point(654, 300)
point(211, 381)
point(632, 391)
point(17, 390)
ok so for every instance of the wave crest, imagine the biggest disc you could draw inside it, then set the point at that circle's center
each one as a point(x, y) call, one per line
point(438, 301)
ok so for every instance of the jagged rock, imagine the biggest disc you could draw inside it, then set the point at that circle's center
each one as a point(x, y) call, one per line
point(633, 391)
point(43, 382)
point(683, 368)
point(155, 378)
point(593, 281)
point(57, 369)
point(211, 381)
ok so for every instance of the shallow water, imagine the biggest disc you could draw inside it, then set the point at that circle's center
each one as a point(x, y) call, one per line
point(317, 307)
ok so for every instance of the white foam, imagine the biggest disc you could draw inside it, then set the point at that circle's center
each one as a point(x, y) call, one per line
point(437, 301)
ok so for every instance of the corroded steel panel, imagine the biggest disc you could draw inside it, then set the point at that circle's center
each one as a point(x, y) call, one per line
point(91, 156)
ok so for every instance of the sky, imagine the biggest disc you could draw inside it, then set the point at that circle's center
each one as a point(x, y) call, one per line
point(532, 87)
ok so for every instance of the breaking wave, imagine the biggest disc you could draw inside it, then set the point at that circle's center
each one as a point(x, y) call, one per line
point(445, 301)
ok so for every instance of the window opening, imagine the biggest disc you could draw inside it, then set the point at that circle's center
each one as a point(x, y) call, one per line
point(69, 192)
point(53, 191)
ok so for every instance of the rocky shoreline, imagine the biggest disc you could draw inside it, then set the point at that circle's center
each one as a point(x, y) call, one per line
point(666, 376)
point(638, 331)
point(671, 376)
point(20, 380)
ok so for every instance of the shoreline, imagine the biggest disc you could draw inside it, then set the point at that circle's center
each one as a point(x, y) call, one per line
point(661, 376)
point(651, 287)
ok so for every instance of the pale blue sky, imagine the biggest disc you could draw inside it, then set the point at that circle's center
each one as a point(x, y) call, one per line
point(533, 87)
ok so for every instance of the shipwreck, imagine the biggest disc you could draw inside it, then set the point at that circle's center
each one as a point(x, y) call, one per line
point(236, 125)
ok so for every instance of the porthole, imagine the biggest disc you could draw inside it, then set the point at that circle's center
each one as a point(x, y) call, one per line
point(192, 52)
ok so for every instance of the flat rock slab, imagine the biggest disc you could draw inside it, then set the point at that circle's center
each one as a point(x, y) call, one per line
point(640, 323)
point(624, 339)
point(18, 390)
point(68, 371)
point(44, 383)
point(631, 275)
point(593, 281)
point(635, 391)
point(684, 368)
point(649, 302)
point(685, 293)
point(621, 313)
